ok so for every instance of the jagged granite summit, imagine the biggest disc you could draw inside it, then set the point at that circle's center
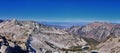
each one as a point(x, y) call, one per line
point(31, 37)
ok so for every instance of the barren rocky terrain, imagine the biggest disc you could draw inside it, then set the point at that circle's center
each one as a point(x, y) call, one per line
point(31, 37)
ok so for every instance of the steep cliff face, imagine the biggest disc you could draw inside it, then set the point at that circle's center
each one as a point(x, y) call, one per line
point(97, 30)
point(29, 36)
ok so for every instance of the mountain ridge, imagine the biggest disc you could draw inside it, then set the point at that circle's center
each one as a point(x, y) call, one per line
point(31, 36)
point(95, 30)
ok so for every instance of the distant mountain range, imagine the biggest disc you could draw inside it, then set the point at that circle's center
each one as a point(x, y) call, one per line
point(43, 37)
point(64, 24)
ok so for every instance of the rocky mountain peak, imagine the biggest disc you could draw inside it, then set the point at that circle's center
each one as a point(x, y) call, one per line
point(31, 36)
point(34, 37)
point(96, 30)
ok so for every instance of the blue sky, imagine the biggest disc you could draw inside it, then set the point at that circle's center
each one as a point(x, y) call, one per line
point(61, 10)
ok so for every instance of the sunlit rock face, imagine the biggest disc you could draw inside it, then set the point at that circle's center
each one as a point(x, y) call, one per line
point(112, 45)
point(31, 37)
point(97, 30)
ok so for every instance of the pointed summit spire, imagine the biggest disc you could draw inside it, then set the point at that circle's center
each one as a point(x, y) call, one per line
point(13, 21)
